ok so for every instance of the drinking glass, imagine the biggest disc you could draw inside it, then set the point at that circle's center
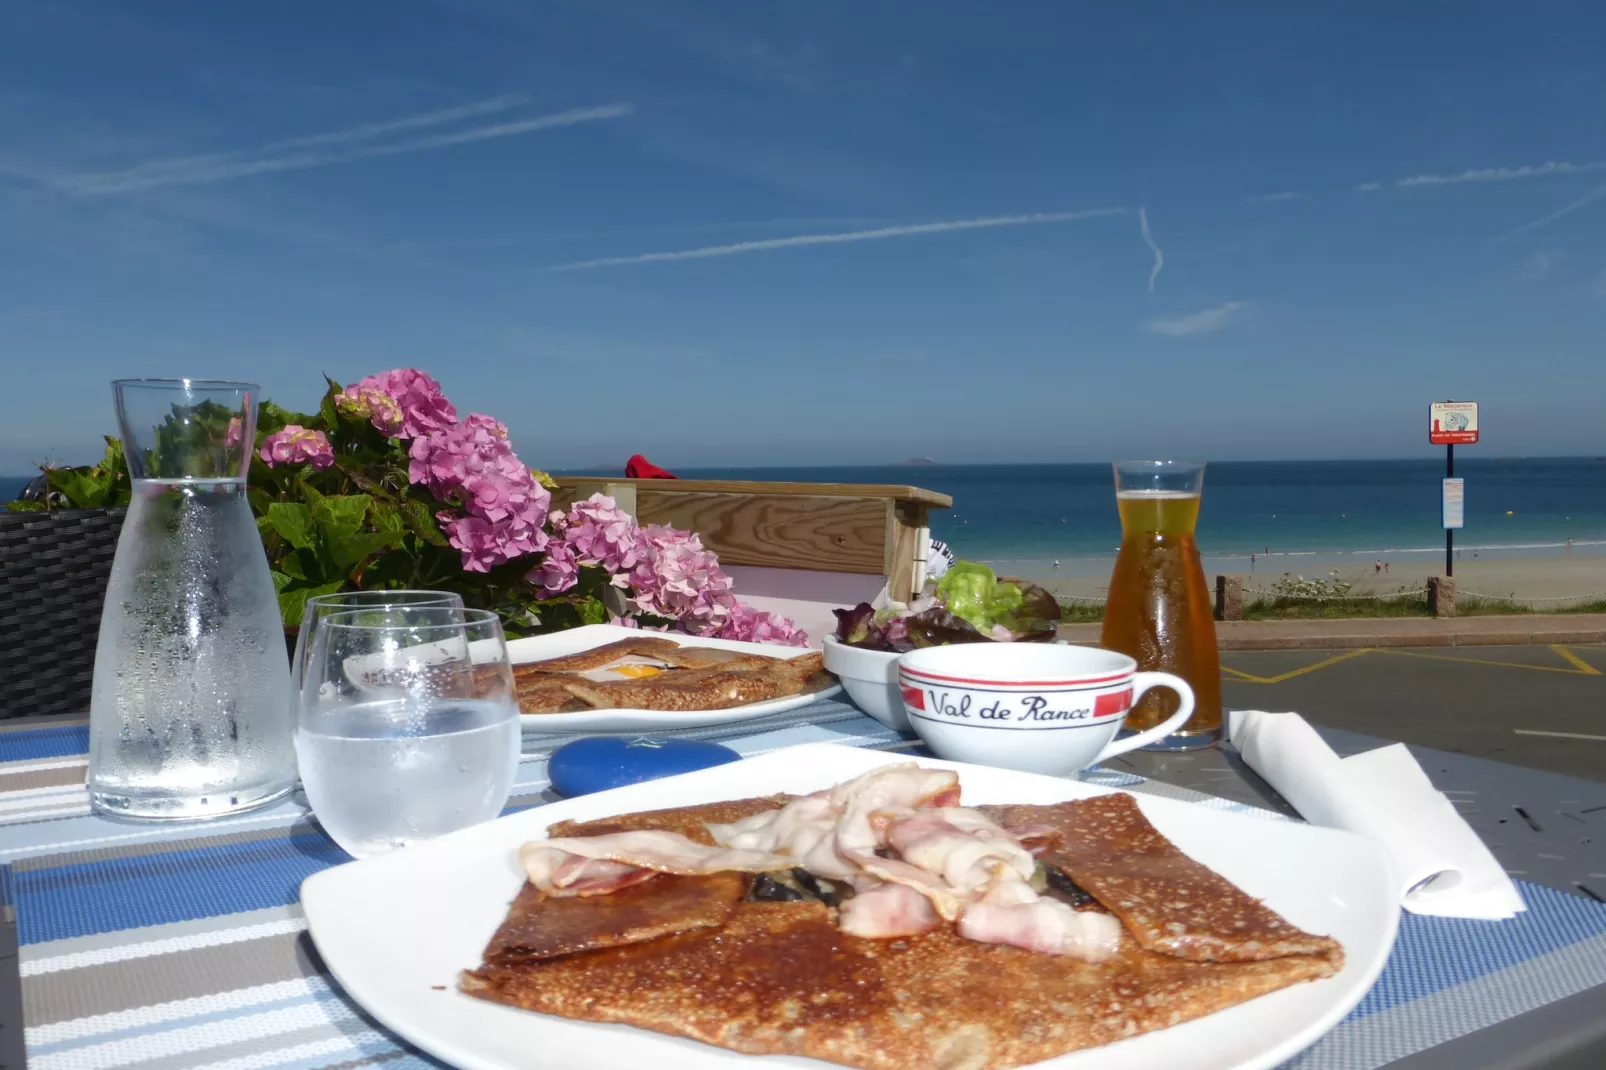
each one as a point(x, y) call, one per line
point(408, 728)
point(190, 713)
point(1158, 611)
point(320, 606)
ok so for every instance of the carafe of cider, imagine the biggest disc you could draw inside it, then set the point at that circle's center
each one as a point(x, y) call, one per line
point(1158, 610)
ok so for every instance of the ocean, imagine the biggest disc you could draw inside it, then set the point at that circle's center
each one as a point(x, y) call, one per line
point(1329, 509)
point(1358, 510)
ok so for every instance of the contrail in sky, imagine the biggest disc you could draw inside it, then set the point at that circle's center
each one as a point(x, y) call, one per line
point(1211, 319)
point(326, 149)
point(1503, 174)
point(1544, 221)
point(361, 132)
point(1148, 239)
point(878, 234)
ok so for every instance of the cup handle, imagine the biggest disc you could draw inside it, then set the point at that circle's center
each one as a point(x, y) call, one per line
point(1141, 683)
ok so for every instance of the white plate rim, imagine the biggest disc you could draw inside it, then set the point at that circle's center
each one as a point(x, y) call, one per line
point(576, 640)
point(320, 897)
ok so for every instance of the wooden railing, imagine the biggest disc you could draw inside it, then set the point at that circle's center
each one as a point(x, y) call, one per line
point(862, 529)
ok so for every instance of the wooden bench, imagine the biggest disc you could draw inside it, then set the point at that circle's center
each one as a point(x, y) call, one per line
point(801, 549)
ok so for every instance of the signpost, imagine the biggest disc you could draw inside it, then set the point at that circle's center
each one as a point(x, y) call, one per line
point(1451, 423)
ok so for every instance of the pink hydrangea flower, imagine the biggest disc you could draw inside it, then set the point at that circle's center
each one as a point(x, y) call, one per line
point(600, 533)
point(484, 544)
point(751, 625)
point(297, 445)
point(235, 434)
point(471, 467)
point(376, 407)
point(422, 405)
point(678, 579)
point(559, 571)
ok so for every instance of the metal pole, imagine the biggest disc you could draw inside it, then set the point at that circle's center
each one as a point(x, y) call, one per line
point(1449, 533)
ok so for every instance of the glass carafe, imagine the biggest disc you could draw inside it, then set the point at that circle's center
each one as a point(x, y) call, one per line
point(1158, 610)
point(190, 714)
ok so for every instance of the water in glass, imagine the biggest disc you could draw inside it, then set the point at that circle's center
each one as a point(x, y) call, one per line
point(190, 706)
point(384, 774)
point(408, 726)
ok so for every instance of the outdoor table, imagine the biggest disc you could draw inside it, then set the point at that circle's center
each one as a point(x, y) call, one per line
point(176, 946)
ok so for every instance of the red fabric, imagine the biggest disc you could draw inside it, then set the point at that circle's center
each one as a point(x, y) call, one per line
point(638, 467)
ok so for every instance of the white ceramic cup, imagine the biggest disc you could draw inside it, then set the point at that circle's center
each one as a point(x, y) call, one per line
point(1037, 707)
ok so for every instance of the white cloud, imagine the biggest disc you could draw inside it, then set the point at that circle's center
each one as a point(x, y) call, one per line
point(1148, 239)
point(878, 234)
point(1285, 195)
point(323, 150)
point(1206, 322)
point(1369, 187)
point(1503, 174)
point(1545, 220)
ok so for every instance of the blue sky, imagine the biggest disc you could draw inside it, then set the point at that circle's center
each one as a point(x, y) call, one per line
point(893, 229)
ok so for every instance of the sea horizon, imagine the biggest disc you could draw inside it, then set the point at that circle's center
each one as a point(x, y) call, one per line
point(1036, 513)
point(918, 463)
point(1040, 512)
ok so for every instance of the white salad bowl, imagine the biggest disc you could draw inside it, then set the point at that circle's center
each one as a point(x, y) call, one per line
point(870, 677)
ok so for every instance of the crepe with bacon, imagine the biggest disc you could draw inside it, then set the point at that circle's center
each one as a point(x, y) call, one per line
point(879, 924)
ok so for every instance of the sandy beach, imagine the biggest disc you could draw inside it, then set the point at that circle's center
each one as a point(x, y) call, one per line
point(1551, 580)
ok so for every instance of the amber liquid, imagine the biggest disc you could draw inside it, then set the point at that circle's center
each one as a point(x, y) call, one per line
point(1158, 610)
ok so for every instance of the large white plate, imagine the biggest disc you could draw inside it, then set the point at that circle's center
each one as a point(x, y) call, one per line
point(562, 644)
point(396, 930)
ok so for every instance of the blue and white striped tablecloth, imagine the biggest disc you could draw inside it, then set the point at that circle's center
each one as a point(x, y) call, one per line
point(180, 947)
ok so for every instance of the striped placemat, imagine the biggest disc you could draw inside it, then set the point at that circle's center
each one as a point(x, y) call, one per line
point(176, 947)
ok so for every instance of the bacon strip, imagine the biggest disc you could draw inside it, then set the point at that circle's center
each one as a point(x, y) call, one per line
point(885, 911)
point(1037, 839)
point(577, 875)
point(903, 785)
point(1046, 926)
point(944, 899)
point(965, 848)
point(822, 831)
point(558, 866)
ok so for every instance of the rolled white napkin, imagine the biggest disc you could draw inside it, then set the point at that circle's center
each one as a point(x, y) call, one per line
point(1444, 868)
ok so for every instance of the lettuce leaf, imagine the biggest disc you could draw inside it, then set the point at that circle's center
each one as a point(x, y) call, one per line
point(975, 608)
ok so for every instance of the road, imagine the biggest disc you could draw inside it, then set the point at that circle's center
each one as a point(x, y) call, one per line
point(1539, 706)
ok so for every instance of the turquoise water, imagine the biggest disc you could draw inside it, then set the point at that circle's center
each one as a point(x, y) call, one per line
point(1361, 508)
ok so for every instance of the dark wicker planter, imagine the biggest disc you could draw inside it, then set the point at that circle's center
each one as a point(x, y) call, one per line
point(53, 572)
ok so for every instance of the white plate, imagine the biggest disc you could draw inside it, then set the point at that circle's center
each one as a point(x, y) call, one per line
point(575, 640)
point(449, 895)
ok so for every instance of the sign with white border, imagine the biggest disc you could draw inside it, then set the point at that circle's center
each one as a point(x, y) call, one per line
point(1453, 423)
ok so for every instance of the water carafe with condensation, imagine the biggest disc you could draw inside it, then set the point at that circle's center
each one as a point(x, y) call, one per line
point(190, 714)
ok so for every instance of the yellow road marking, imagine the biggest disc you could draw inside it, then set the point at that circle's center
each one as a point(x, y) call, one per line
point(1583, 666)
point(1580, 667)
point(1586, 671)
point(1296, 672)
